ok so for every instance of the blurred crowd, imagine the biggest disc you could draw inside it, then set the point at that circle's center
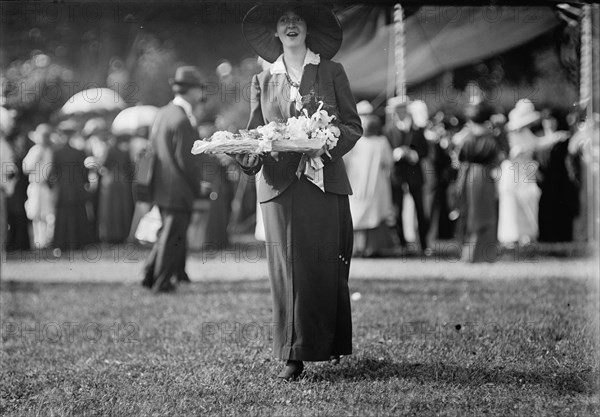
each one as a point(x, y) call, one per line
point(69, 185)
point(482, 177)
point(487, 179)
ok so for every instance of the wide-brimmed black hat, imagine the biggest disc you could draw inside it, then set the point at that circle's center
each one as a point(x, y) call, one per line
point(324, 35)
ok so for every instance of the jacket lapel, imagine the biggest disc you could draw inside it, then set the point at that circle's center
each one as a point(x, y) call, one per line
point(283, 97)
point(309, 78)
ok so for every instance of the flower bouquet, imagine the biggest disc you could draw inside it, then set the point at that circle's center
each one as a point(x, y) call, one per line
point(300, 134)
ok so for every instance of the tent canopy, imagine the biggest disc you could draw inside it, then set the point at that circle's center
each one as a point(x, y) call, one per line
point(437, 39)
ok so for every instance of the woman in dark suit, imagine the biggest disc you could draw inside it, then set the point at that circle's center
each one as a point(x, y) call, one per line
point(308, 230)
point(68, 178)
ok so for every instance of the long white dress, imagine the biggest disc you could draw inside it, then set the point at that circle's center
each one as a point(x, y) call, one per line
point(518, 193)
point(369, 166)
point(41, 200)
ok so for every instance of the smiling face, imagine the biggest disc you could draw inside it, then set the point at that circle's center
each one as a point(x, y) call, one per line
point(291, 30)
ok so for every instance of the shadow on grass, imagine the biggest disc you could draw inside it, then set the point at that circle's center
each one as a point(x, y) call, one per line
point(580, 381)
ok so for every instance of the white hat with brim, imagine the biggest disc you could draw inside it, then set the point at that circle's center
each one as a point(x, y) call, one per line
point(524, 114)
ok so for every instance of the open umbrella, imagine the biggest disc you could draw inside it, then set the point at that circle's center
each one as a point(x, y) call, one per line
point(93, 100)
point(133, 118)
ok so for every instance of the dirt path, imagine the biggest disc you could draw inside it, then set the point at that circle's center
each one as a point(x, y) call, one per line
point(245, 262)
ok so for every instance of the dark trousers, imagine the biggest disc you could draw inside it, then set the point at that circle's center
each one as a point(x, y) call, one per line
point(168, 256)
point(416, 191)
point(439, 213)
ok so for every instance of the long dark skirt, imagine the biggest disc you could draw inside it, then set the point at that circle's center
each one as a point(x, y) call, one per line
point(309, 245)
point(115, 208)
point(73, 229)
point(479, 214)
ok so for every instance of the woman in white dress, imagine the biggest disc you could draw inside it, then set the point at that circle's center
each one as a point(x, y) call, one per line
point(40, 198)
point(369, 166)
point(518, 192)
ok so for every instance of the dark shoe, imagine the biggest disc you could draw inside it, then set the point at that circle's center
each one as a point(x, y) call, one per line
point(292, 370)
point(184, 279)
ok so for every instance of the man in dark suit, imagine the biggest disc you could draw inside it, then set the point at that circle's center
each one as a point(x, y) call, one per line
point(409, 149)
point(175, 181)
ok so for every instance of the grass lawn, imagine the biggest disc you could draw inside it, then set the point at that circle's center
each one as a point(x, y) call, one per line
point(422, 347)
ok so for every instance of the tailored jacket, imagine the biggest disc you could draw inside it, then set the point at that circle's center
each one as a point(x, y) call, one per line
point(270, 101)
point(176, 175)
point(414, 138)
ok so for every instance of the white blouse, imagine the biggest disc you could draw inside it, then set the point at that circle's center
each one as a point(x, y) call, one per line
point(278, 67)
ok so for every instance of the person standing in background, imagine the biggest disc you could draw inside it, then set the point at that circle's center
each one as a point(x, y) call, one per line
point(410, 148)
point(115, 205)
point(175, 181)
point(518, 191)
point(445, 169)
point(68, 177)
point(8, 174)
point(559, 194)
point(96, 132)
point(18, 224)
point(40, 198)
point(478, 153)
point(369, 165)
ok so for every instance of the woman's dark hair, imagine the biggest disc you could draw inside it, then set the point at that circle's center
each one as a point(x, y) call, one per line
point(479, 113)
point(371, 125)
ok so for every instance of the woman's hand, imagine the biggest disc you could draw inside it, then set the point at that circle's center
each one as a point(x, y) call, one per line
point(247, 160)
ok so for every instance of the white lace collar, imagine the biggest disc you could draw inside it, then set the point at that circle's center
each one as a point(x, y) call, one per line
point(278, 67)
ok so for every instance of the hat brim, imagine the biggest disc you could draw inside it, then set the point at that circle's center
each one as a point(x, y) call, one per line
point(173, 83)
point(324, 29)
point(523, 121)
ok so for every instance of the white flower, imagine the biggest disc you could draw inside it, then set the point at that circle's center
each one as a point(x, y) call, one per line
point(321, 118)
point(270, 132)
point(298, 102)
point(222, 135)
point(297, 128)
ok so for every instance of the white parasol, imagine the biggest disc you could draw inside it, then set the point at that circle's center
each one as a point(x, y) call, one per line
point(93, 100)
point(133, 118)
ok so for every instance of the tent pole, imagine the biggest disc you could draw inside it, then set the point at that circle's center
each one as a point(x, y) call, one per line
point(391, 67)
point(586, 101)
point(400, 54)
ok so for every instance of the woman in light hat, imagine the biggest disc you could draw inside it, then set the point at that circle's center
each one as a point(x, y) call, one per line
point(40, 198)
point(308, 231)
point(518, 192)
point(369, 165)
